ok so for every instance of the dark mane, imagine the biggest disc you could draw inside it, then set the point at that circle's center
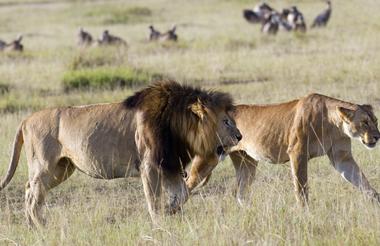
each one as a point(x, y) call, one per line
point(168, 118)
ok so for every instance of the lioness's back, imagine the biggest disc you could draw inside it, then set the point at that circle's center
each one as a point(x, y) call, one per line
point(265, 129)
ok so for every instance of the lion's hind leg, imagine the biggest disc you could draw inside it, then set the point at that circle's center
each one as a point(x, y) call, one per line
point(39, 183)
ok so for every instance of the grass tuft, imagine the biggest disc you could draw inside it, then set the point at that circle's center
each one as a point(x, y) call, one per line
point(106, 78)
point(97, 57)
point(4, 88)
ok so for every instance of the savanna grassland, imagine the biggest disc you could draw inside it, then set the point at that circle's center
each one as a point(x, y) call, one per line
point(217, 49)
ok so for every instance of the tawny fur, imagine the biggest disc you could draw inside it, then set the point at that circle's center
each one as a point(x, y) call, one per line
point(298, 131)
point(153, 134)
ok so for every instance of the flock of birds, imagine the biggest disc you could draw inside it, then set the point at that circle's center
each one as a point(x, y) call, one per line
point(14, 45)
point(289, 19)
point(85, 39)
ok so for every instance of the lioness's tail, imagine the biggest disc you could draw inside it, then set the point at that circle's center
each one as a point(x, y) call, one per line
point(17, 146)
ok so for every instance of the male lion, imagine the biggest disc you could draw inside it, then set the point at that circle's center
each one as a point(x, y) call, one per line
point(153, 133)
point(298, 131)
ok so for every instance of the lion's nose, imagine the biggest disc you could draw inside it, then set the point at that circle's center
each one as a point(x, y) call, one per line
point(376, 138)
point(239, 136)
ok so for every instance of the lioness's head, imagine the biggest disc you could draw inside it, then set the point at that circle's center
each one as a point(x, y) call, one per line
point(217, 131)
point(360, 123)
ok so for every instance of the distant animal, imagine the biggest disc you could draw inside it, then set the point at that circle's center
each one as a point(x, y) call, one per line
point(297, 131)
point(84, 38)
point(152, 134)
point(3, 44)
point(271, 23)
point(154, 34)
point(258, 14)
point(296, 20)
point(251, 16)
point(170, 35)
point(284, 24)
point(15, 45)
point(322, 19)
point(108, 39)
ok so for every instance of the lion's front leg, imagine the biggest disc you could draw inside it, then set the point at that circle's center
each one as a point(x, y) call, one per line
point(151, 178)
point(345, 164)
point(176, 191)
point(201, 168)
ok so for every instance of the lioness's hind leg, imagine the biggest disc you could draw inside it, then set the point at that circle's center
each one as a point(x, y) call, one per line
point(38, 185)
point(34, 197)
point(298, 162)
point(245, 168)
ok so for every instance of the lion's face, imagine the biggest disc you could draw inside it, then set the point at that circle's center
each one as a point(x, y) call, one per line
point(228, 134)
point(360, 123)
point(216, 132)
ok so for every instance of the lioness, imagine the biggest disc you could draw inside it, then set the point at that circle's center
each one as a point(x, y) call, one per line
point(298, 131)
point(153, 133)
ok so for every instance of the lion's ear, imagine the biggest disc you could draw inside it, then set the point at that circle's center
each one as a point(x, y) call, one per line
point(198, 109)
point(345, 113)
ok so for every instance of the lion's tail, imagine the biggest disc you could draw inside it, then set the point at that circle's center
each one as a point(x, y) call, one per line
point(17, 146)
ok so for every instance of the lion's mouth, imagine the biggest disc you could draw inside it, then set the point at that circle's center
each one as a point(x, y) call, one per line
point(369, 145)
point(221, 150)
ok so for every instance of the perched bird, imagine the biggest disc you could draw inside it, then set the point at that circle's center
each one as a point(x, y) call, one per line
point(154, 34)
point(15, 45)
point(108, 39)
point(84, 38)
point(284, 24)
point(251, 16)
point(258, 14)
point(271, 23)
point(2, 44)
point(322, 19)
point(170, 35)
point(296, 20)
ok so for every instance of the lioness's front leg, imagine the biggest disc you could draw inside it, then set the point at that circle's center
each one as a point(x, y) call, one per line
point(200, 169)
point(345, 164)
point(245, 168)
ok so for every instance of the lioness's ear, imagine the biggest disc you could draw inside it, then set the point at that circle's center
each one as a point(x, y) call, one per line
point(345, 113)
point(198, 109)
point(367, 107)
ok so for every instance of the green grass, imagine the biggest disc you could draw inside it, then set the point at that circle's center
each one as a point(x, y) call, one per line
point(98, 57)
point(106, 78)
point(217, 50)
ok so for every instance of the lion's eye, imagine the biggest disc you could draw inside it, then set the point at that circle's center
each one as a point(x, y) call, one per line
point(365, 123)
point(226, 122)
